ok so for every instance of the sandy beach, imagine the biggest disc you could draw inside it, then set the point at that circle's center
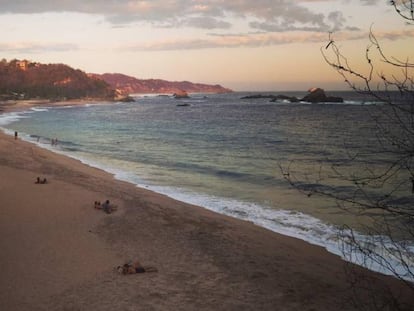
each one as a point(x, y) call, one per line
point(59, 253)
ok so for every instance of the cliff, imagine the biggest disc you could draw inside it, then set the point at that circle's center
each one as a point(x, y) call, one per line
point(130, 85)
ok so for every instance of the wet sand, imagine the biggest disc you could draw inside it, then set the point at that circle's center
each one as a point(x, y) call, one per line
point(59, 253)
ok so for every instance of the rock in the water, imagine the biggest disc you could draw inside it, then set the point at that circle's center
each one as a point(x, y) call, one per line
point(181, 94)
point(126, 99)
point(317, 95)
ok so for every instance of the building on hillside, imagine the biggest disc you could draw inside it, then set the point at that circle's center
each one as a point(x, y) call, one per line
point(22, 64)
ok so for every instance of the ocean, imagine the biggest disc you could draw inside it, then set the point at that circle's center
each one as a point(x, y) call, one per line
point(230, 155)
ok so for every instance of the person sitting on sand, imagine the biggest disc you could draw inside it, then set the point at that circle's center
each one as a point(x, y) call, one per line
point(98, 205)
point(136, 267)
point(107, 207)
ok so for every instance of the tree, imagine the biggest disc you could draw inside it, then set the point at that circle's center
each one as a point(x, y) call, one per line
point(53, 81)
point(383, 191)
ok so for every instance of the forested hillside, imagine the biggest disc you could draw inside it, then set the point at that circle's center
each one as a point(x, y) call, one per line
point(26, 80)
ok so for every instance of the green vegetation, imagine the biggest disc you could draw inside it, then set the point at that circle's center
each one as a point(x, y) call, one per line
point(28, 80)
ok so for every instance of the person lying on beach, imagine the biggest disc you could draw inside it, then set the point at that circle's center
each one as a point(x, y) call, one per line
point(41, 181)
point(136, 267)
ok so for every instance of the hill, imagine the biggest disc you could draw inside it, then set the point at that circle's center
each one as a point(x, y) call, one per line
point(25, 80)
point(130, 85)
point(22, 79)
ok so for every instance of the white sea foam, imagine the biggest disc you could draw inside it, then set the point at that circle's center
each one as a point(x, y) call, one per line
point(359, 103)
point(10, 117)
point(289, 223)
point(38, 109)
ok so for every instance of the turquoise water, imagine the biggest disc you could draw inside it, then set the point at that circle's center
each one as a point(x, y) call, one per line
point(219, 152)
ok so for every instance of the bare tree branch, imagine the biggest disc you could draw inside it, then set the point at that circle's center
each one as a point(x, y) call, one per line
point(383, 191)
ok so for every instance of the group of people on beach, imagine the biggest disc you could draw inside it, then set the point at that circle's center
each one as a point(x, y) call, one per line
point(53, 142)
point(107, 207)
point(41, 181)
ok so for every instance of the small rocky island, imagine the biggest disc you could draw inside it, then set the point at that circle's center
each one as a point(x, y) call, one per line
point(180, 94)
point(315, 95)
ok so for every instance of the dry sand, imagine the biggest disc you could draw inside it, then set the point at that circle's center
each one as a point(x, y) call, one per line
point(58, 253)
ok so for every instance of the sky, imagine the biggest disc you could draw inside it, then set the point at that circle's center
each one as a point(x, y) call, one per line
point(246, 45)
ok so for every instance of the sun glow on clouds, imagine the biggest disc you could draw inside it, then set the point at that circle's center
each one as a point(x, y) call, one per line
point(228, 41)
point(139, 6)
point(34, 47)
point(218, 41)
point(200, 8)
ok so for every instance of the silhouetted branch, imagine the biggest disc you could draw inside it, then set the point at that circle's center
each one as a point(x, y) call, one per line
point(383, 191)
point(404, 8)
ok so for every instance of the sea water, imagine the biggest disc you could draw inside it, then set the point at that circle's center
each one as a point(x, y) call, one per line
point(221, 152)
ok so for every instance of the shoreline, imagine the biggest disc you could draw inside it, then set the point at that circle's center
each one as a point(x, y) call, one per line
point(21, 105)
point(205, 260)
point(303, 232)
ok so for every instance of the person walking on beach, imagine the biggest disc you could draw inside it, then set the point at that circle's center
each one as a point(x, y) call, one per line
point(15, 135)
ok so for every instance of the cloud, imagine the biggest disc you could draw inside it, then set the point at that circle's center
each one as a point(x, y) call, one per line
point(216, 40)
point(265, 15)
point(253, 40)
point(207, 23)
point(369, 2)
point(380, 35)
point(395, 35)
point(228, 41)
point(33, 47)
point(338, 20)
point(283, 27)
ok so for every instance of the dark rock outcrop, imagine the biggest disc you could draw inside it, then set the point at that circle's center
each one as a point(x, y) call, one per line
point(125, 99)
point(317, 95)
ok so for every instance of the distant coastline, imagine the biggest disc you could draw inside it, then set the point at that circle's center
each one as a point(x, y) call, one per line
point(124, 84)
point(28, 80)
